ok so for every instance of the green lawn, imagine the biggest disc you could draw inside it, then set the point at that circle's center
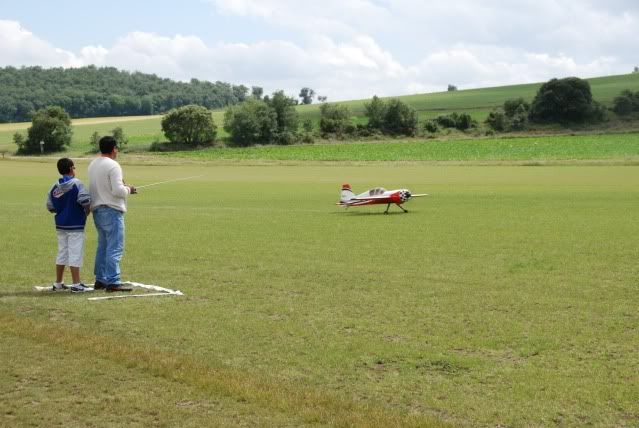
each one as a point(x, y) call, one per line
point(506, 298)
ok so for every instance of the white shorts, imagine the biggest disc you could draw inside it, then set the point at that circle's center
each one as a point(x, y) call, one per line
point(70, 247)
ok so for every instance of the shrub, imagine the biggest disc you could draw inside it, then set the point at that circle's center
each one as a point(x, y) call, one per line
point(431, 126)
point(515, 105)
point(334, 119)
point(252, 122)
point(454, 120)
point(496, 120)
point(626, 103)
point(94, 141)
point(191, 125)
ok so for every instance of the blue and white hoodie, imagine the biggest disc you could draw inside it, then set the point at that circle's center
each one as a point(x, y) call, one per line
point(68, 199)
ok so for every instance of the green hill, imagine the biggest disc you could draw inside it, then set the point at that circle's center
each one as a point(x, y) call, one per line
point(479, 102)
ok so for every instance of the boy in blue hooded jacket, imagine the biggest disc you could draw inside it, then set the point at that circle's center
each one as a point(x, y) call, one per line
point(70, 201)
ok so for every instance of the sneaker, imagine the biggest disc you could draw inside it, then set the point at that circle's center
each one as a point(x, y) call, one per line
point(99, 285)
point(79, 288)
point(59, 287)
point(117, 287)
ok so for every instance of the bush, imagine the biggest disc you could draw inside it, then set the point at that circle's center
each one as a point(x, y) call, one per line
point(191, 125)
point(431, 126)
point(496, 120)
point(52, 125)
point(334, 119)
point(18, 140)
point(458, 121)
point(393, 117)
point(515, 105)
point(252, 122)
point(626, 103)
point(94, 141)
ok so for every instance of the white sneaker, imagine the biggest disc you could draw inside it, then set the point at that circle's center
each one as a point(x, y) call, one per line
point(80, 288)
point(58, 287)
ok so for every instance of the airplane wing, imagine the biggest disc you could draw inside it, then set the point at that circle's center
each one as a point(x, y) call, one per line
point(369, 198)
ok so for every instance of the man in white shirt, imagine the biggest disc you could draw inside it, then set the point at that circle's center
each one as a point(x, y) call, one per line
point(108, 205)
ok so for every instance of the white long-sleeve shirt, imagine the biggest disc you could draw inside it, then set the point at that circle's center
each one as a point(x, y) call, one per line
point(106, 185)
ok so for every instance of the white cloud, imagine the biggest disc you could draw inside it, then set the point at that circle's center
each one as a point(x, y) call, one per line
point(18, 46)
point(347, 49)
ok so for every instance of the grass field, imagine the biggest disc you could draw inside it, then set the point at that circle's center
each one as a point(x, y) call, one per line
point(506, 298)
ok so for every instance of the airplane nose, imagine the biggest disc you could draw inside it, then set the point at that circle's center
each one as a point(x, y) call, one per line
point(404, 195)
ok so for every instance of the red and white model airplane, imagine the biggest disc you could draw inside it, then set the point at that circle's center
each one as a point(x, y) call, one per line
point(378, 195)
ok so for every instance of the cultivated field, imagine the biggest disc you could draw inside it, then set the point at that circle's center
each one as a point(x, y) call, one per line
point(506, 298)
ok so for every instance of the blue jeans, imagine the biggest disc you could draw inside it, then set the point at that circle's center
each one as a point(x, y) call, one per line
point(109, 223)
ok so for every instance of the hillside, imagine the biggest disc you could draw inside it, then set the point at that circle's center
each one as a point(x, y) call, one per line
point(106, 91)
point(479, 102)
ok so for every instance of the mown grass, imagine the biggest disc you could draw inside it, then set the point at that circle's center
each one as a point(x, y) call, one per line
point(505, 298)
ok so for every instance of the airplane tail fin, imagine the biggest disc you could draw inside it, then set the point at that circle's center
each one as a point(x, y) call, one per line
point(347, 193)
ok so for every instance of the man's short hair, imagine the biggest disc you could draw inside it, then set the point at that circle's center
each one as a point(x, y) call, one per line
point(107, 144)
point(64, 166)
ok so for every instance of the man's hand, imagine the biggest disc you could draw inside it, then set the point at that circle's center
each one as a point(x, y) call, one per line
point(132, 189)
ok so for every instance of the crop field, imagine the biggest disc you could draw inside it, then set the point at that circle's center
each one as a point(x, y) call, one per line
point(618, 148)
point(508, 297)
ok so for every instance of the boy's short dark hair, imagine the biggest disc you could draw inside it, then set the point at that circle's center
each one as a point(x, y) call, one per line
point(107, 144)
point(64, 166)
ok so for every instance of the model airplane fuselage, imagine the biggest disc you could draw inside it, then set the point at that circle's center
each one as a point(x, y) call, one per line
point(377, 195)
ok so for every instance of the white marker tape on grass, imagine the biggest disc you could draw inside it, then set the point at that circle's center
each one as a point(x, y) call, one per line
point(162, 292)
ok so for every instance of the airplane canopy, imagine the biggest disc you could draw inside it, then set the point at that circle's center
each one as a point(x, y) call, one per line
point(376, 191)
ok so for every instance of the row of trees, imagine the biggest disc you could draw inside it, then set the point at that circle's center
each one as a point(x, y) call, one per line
point(274, 119)
point(105, 91)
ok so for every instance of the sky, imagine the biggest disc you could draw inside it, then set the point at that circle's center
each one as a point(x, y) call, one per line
point(343, 49)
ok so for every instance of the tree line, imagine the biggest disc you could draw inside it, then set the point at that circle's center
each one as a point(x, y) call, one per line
point(104, 91)
point(274, 119)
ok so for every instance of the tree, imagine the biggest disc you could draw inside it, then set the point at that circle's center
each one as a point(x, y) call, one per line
point(636, 70)
point(451, 88)
point(307, 95)
point(400, 118)
point(252, 122)
point(51, 125)
point(191, 124)
point(322, 98)
point(334, 119)
point(375, 111)
point(563, 100)
point(257, 92)
point(120, 137)
point(287, 117)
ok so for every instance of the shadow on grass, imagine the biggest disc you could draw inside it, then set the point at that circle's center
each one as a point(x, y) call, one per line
point(37, 294)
